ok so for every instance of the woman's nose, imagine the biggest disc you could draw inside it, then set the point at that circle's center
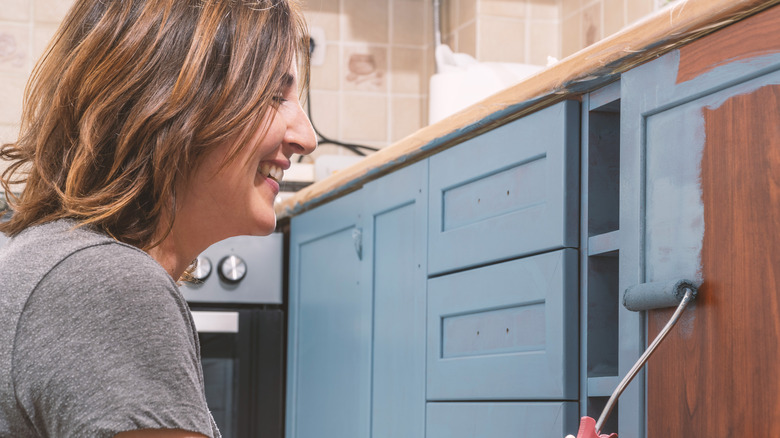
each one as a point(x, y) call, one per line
point(300, 133)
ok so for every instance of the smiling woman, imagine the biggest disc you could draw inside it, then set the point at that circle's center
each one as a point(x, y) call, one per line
point(151, 130)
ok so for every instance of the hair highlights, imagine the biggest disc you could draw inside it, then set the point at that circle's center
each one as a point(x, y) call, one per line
point(129, 96)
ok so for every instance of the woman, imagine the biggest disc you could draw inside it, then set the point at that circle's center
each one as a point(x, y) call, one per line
point(151, 130)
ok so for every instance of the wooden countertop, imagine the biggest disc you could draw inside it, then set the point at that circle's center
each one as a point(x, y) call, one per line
point(586, 70)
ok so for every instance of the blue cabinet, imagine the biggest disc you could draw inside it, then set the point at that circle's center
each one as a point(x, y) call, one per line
point(329, 353)
point(501, 420)
point(510, 192)
point(356, 356)
point(507, 331)
point(396, 213)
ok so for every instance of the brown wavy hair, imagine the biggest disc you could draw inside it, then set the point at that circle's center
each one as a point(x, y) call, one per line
point(128, 97)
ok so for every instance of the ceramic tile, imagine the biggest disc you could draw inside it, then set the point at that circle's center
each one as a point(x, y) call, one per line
point(8, 133)
point(365, 21)
point(407, 116)
point(449, 16)
point(42, 35)
point(428, 24)
point(450, 39)
point(430, 67)
point(364, 117)
point(570, 7)
point(408, 23)
point(11, 92)
point(14, 47)
point(591, 24)
point(638, 9)
point(325, 149)
point(328, 21)
point(545, 41)
point(613, 16)
point(571, 40)
point(325, 113)
point(364, 68)
point(424, 110)
point(503, 8)
point(407, 70)
point(544, 9)
point(467, 11)
point(501, 40)
point(327, 76)
point(321, 5)
point(51, 11)
point(467, 39)
point(15, 10)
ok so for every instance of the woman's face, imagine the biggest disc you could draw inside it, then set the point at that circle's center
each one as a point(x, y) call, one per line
point(238, 199)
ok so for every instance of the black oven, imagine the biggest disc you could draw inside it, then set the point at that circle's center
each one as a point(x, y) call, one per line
point(238, 311)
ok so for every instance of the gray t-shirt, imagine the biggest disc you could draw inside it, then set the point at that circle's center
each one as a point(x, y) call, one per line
point(95, 339)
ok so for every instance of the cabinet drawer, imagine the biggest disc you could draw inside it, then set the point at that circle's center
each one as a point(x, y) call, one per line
point(509, 192)
point(501, 420)
point(505, 332)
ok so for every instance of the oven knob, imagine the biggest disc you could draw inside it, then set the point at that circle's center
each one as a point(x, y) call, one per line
point(202, 268)
point(232, 269)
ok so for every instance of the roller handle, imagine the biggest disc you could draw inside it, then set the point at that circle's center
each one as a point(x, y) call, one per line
point(649, 296)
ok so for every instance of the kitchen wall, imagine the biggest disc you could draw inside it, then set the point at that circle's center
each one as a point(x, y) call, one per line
point(26, 26)
point(522, 31)
point(372, 87)
point(583, 22)
point(528, 31)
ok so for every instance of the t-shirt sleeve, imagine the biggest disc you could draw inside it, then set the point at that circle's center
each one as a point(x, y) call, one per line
point(105, 345)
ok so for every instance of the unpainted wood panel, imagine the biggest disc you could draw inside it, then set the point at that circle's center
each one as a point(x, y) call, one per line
point(720, 377)
point(749, 38)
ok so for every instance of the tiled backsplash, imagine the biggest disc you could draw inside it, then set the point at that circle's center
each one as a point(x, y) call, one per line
point(583, 22)
point(26, 26)
point(372, 88)
point(521, 31)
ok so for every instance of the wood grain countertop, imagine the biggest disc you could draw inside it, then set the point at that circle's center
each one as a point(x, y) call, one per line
point(586, 70)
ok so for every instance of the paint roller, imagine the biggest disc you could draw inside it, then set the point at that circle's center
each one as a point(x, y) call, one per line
point(649, 296)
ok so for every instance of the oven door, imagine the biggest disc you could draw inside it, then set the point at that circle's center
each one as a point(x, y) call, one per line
point(242, 352)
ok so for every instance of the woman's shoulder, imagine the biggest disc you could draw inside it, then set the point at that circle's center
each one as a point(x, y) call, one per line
point(80, 251)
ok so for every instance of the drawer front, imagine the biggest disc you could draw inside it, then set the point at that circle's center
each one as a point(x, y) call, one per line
point(505, 332)
point(501, 420)
point(510, 192)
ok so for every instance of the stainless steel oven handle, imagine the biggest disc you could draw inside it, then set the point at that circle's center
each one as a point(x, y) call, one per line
point(215, 322)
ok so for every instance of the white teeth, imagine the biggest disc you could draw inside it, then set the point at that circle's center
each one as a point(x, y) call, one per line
point(272, 171)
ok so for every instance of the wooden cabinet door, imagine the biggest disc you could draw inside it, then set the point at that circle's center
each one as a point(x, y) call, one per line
point(700, 198)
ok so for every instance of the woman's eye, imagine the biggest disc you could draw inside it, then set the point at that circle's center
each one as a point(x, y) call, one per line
point(279, 99)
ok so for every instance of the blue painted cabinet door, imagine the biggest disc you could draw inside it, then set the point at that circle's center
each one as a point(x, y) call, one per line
point(507, 193)
point(501, 420)
point(395, 245)
point(329, 352)
point(356, 357)
point(505, 332)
